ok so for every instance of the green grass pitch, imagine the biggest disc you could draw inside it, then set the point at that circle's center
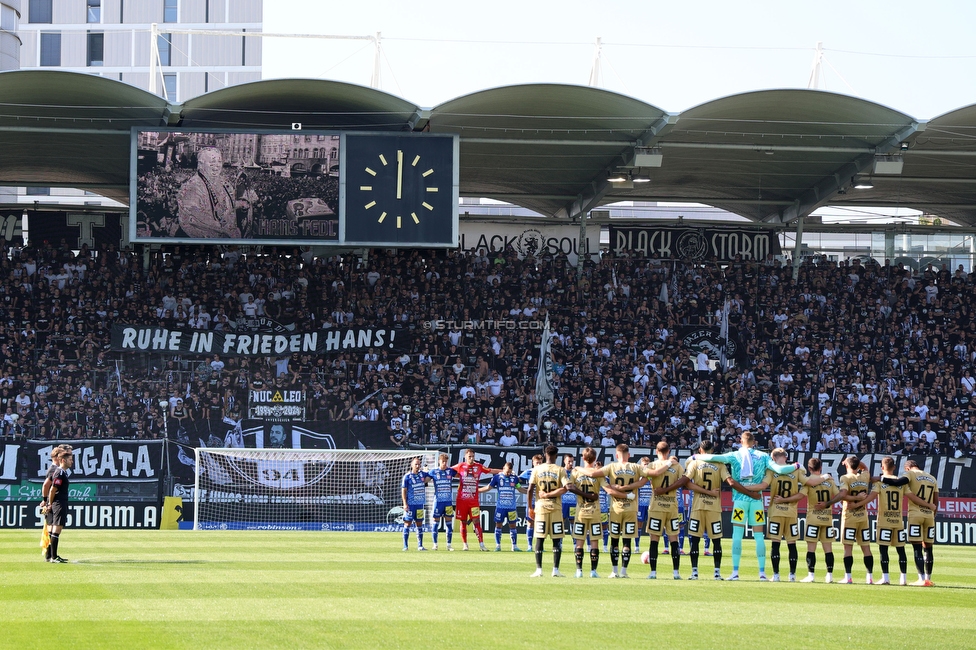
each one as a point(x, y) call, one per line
point(183, 589)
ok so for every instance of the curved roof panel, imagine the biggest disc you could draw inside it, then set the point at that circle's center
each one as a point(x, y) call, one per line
point(68, 128)
point(316, 104)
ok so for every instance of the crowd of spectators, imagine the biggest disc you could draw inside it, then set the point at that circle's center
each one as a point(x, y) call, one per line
point(849, 357)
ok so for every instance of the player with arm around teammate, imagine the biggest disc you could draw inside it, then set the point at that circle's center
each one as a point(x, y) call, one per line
point(588, 521)
point(783, 523)
point(705, 517)
point(506, 483)
point(890, 524)
point(624, 478)
point(645, 494)
point(819, 521)
point(568, 499)
point(923, 503)
point(468, 507)
point(413, 491)
point(546, 486)
point(663, 517)
point(441, 477)
point(854, 525)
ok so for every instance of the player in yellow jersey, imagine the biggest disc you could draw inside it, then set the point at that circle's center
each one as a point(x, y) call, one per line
point(923, 503)
point(624, 481)
point(588, 516)
point(662, 515)
point(706, 507)
point(547, 485)
point(820, 521)
point(854, 525)
point(891, 525)
point(782, 523)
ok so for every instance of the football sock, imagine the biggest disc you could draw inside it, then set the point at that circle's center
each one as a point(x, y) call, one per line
point(774, 556)
point(652, 553)
point(498, 537)
point(695, 542)
point(902, 560)
point(885, 562)
point(514, 532)
point(450, 533)
point(738, 532)
point(579, 558)
point(794, 556)
point(594, 558)
point(929, 561)
point(829, 561)
point(848, 564)
point(55, 538)
point(406, 535)
point(420, 536)
point(717, 553)
point(869, 563)
point(615, 552)
point(811, 561)
point(557, 552)
point(625, 554)
point(480, 533)
point(919, 559)
point(539, 544)
point(675, 556)
point(606, 535)
point(761, 551)
point(464, 532)
point(435, 531)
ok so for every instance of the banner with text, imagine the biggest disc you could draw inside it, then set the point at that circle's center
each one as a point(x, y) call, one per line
point(142, 338)
point(276, 405)
point(100, 460)
point(528, 240)
point(114, 514)
point(695, 244)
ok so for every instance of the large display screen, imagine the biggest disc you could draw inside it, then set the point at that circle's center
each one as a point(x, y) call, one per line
point(289, 188)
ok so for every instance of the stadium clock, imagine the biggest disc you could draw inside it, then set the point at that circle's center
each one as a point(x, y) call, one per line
point(400, 190)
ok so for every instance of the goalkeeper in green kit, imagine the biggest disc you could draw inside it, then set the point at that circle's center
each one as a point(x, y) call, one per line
point(748, 467)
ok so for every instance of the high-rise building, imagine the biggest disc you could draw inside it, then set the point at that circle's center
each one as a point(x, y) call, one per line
point(113, 38)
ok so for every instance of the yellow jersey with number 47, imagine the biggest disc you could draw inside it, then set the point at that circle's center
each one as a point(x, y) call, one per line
point(924, 486)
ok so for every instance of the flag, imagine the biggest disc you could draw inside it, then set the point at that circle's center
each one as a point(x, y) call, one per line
point(724, 335)
point(663, 296)
point(544, 395)
point(674, 281)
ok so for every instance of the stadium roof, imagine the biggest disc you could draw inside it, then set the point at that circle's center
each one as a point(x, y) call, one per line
point(771, 156)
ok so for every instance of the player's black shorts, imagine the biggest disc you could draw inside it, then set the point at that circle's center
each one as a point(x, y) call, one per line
point(59, 514)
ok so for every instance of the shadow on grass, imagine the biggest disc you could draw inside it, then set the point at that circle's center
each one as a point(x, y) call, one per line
point(143, 562)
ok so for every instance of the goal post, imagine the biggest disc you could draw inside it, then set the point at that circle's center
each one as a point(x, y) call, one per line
point(302, 489)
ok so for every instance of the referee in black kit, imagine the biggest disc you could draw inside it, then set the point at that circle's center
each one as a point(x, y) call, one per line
point(55, 503)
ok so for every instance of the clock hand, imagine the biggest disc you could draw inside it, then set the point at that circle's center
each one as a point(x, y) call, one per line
point(399, 173)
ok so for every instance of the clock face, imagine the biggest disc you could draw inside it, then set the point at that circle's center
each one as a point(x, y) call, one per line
point(400, 190)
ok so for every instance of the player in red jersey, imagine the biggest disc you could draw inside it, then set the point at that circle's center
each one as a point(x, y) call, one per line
point(468, 507)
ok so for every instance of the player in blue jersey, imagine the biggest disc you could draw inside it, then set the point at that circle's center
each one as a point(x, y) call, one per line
point(444, 499)
point(569, 499)
point(523, 487)
point(507, 485)
point(414, 491)
point(644, 495)
point(748, 468)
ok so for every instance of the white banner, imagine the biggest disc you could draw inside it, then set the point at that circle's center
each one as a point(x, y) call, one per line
point(528, 239)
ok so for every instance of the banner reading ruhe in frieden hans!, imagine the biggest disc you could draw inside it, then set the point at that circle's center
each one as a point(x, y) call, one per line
point(146, 338)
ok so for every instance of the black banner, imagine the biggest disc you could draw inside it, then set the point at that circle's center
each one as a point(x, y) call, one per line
point(141, 338)
point(276, 405)
point(100, 460)
point(114, 514)
point(700, 338)
point(94, 229)
point(696, 244)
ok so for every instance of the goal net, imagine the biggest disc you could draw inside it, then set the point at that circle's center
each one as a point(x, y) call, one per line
point(303, 489)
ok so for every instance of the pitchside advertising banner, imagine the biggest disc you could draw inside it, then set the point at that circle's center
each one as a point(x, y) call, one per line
point(142, 338)
point(696, 244)
point(528, 240)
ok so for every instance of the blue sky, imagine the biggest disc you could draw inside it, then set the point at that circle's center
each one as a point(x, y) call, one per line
point(919, 58)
